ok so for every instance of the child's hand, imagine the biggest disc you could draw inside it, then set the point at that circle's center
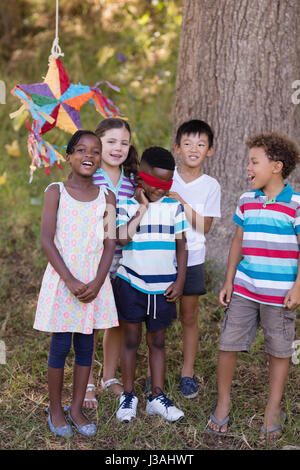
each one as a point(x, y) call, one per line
point(292, 298)
point(174, 292)
point(225, 294)
point(141, 197)
point(75, 286)
point(91, 292)
point(174, 195)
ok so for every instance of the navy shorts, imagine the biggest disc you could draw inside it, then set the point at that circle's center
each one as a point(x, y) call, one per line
point(194, 280)
point(135, 306)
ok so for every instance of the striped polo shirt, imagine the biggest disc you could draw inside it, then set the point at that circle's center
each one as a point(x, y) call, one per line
point(270, 246)
point(148, 260)
point(123, 189)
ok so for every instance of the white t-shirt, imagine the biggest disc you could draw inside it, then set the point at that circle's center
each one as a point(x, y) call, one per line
point(204, 196)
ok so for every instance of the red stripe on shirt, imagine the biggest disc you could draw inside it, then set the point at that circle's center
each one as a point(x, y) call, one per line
point(274, 207)
point(270, 299)
point(270, 253)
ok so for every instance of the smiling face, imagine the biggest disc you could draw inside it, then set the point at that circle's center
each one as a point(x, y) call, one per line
point(261, 170)
point(193, 149)
point(85, 159)
point(154, 194)
point(115, 147)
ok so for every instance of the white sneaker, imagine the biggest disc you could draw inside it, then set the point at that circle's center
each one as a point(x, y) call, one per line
point(127, 409)
point(163, 406)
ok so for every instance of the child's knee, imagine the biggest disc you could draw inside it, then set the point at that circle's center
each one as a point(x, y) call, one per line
point(156, 341)
point(131, 340)
point(189, 318)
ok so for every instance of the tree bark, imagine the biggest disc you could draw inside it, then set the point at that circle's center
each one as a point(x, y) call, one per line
point(237, 62)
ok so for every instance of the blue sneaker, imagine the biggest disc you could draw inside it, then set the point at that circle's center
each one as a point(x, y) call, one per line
point(189, 387)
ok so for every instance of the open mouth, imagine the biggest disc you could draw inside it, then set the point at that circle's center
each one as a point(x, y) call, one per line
point(87, 163)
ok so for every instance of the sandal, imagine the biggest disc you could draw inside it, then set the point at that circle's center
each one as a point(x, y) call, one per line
point(106, 384)
point(219, 423)
point(267, 433)
point(90, 388)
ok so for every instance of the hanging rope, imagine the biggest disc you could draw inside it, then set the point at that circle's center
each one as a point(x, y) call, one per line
point(55, 50)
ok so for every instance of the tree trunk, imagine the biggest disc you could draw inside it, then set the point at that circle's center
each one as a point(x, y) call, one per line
point(237, 62)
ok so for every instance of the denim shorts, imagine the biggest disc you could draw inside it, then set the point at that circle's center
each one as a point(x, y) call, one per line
point(242, 317)
point(135, 306)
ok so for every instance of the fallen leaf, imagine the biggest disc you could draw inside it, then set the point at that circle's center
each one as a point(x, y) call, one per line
point(13, 149)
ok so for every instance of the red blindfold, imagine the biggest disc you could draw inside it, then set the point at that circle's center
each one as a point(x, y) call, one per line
point(155, 182)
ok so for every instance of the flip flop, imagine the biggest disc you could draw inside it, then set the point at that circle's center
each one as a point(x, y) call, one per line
point(268, 432)
point(219, 423)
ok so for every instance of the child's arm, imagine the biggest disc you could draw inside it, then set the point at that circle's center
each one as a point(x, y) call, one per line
point(109, 245)
point(199, 222)
point(48, 230)
point(175, 290)
point(292, 298)
point(234, 257)
point(126, 232)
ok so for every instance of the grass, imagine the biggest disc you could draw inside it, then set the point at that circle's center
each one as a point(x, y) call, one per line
point(24, 394)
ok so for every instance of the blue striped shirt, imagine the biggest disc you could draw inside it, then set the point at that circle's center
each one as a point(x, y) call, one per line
point(270, 247)
point(148, 261)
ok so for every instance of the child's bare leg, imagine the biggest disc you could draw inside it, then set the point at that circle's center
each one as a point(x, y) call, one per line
point(81, 376)
point(189, 306)
point(156, 345)
point(226, 367)
point(90, 397)
point(278, 371)
point(111, 350)
point(83, 347)
point(55, 384)
point(132, 334)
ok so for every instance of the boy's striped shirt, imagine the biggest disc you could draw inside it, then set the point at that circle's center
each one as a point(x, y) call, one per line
point(270, 246)
point(148, 261)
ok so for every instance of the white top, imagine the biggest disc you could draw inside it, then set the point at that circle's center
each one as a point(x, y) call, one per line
point(204, 196)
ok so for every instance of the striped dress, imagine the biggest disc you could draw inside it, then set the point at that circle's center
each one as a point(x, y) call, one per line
point(270, 246)
point(124, 189)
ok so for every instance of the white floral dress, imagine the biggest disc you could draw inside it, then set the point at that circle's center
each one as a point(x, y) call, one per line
point(79, 240)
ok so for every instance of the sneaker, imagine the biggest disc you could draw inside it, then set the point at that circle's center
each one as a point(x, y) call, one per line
point(189, 387)
point(127, 409)
point(163, 406)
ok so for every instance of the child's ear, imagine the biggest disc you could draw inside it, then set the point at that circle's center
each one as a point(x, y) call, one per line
point(177, 148)
point(67, 157)
point(278, 166)
point(210, 151)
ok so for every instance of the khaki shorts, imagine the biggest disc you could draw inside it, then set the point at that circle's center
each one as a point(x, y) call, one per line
point(242, 317)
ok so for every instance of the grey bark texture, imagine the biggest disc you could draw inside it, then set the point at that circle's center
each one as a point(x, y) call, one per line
point(237, 62)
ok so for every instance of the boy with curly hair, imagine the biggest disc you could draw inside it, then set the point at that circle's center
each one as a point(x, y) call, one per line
point(262, 282)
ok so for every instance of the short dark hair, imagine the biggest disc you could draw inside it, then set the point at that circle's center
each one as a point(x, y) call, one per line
point(158, 157)
point(76, 137)
point(195, 126)
point(278, 147)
